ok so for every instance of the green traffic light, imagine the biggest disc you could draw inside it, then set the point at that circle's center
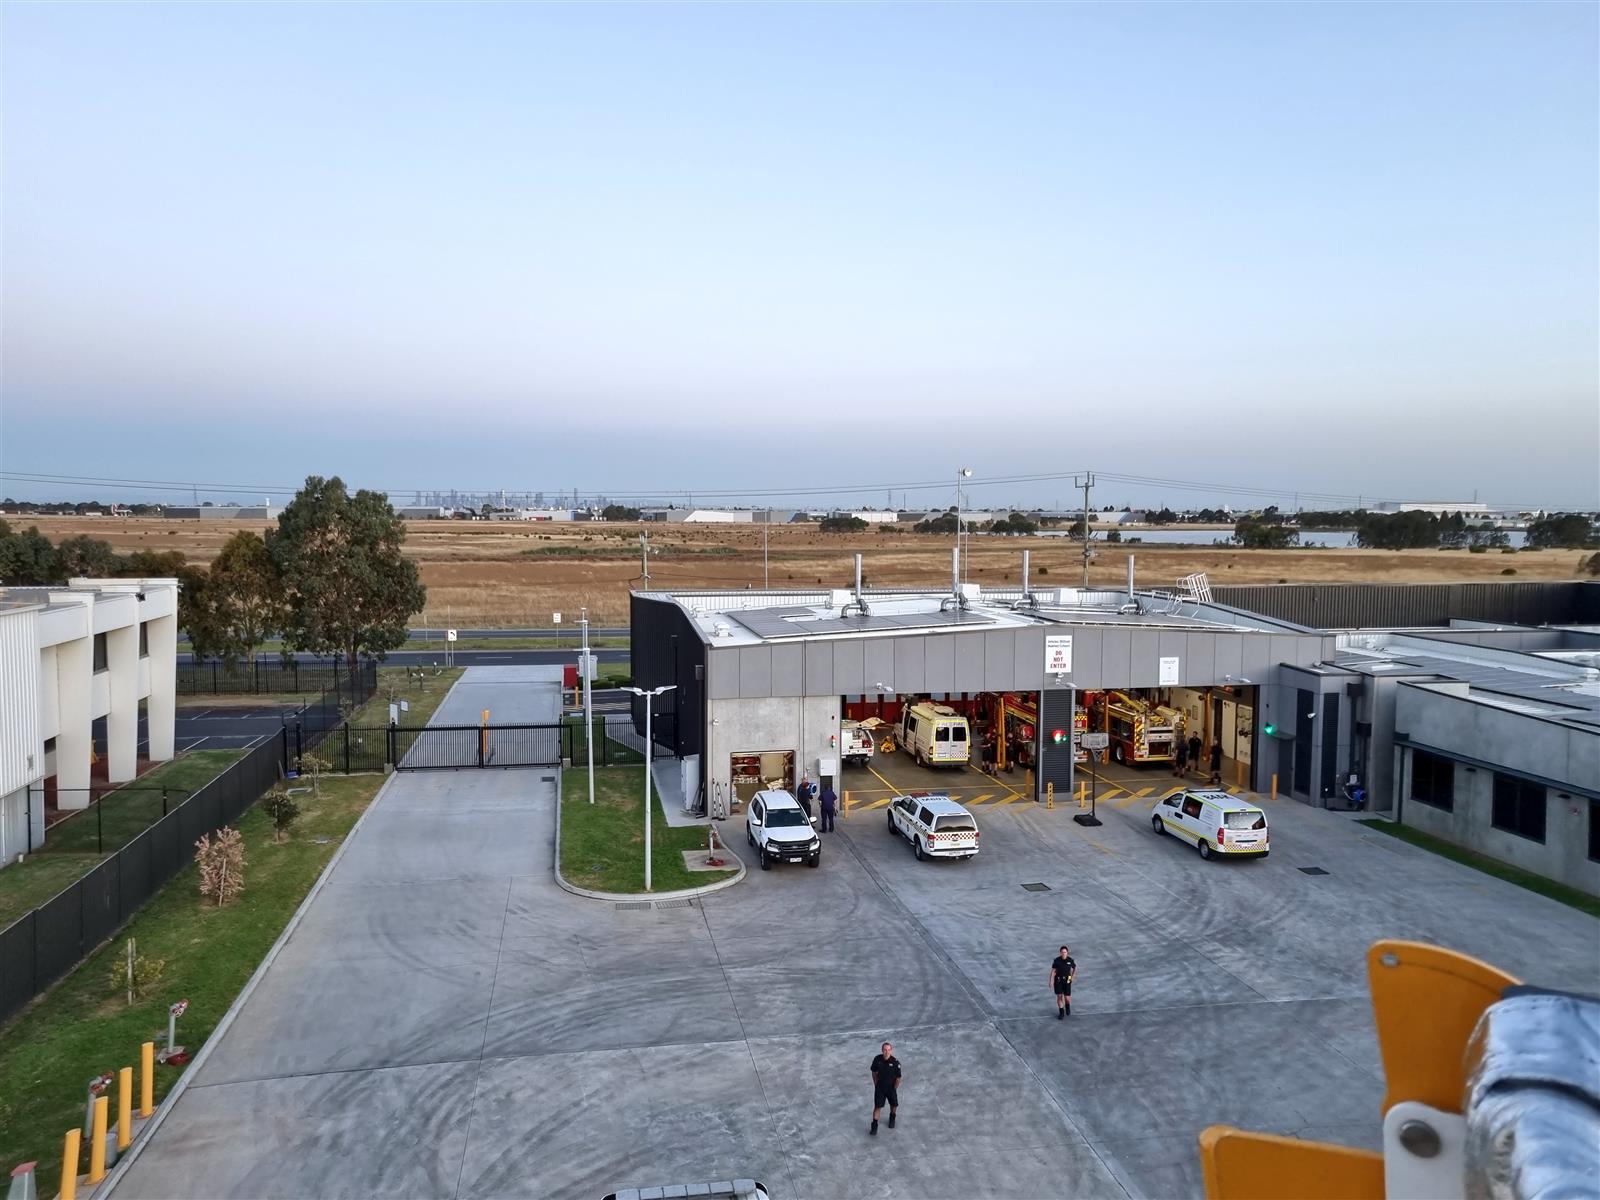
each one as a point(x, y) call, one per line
point(1269, 730)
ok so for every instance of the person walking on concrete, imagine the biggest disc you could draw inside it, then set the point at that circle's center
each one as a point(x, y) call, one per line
point(885, 1086)
point(830, 805)
point(1194, 750)
point(1062, 970)
point(1180, 760)
point(1216, 763)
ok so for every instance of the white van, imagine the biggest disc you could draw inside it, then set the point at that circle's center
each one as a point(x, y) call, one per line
point(934, 734)
point(1213, 822)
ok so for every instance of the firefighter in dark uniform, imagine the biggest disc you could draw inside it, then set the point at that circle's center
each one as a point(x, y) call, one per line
point(885, 1086)
point(1062, 969)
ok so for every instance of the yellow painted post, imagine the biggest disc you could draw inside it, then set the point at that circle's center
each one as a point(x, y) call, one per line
point(1030, 781)
point(1050, 794)
point(845, 811)
point(69, 1164)
point(97, 1140)
point(1274, 785)
point(147, 1079)
point(124, 1109)
point(1083, 794)
point(1240, 769)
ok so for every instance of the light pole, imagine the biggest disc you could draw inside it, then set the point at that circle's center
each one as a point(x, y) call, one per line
point(961, 562)
point(649, 695)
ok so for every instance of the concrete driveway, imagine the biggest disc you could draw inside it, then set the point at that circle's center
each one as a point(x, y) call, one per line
point(447, 1022)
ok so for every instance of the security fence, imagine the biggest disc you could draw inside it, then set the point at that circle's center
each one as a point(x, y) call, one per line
point(43, 945)
point(449, 747)
point(272, 676)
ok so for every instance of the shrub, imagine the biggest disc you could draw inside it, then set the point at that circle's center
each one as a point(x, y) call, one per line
point(281, 810)
point(1508, 570)
point(1477, 549)
point(134, 974)
point(221, 862)
point(316, 766)
point(1043, 571)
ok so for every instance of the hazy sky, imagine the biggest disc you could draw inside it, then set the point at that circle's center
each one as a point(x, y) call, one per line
point(1347, 249)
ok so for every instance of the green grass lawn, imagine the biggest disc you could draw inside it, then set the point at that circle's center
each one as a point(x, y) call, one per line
point(606, 751)
point(72, 846)
point(424, 691)
point(83, 1026)
point(602, 845)
point(1571, 897)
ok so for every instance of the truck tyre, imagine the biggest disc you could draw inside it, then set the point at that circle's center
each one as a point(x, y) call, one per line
point(916, 847)
point(815, 859)
point(1205, 849)
point(892, 829)
point(1157, 824)
point(1116, 753)
point(766, 863)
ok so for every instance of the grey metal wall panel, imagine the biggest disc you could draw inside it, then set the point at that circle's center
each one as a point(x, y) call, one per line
point(722, 673)
point(939, 664)
point(910, 674)
point(1088, 658)
point(1200, 659)
point(1174, 643)
point(755, 672)
point(969, 663)
point(880, 666)
point(850, 668)
point(1229, 649)
point(1350, 606)
point(1257, 656)
point(819, 670)
point(999, 660)
point(1029, 659)
point(788, 670)
point(1143, 653)
point(1116, 658)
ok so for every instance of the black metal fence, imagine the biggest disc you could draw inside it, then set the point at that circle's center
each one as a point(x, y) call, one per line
point(42, 946)
point(448, 747)
point(271, 676)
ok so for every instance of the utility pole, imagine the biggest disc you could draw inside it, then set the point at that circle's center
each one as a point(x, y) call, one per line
point(644, 557)
point(766, 579)
point(1088, 482)
point(588, 699)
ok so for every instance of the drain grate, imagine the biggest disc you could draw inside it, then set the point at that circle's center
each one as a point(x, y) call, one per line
point(674, 903)
point(633, 906)
point(1311, 870)
point(1036, 887)
point(547, 779)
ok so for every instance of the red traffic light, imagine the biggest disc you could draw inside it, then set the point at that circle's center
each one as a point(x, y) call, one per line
point(1058, 736)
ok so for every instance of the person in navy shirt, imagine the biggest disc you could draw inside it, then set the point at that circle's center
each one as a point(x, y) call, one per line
point(885, 1086)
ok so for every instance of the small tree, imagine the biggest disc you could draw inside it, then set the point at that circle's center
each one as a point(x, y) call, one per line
point(281, 809)
point(221, 861)
point(135, 974)
point(317, 767)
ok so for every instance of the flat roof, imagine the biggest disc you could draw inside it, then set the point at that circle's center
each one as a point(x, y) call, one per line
point(753, 617)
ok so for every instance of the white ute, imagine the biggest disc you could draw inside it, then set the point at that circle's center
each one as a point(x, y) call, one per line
point(855, 743)
point(777, 827)
point(935, 825)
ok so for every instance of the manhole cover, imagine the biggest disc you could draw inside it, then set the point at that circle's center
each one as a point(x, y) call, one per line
point(1311, 871)
point(1036, 887)
point(547, 779)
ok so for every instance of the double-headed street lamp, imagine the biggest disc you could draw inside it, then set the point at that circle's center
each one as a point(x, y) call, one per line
point(649, 695)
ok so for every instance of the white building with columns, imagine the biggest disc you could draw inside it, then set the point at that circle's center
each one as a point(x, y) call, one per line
point(69, 656)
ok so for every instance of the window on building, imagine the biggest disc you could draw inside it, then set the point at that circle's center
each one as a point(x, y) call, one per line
point(144, 639)
point(99, 652)
point(1519, 807)
point(1594, 830)
point(1433, 780)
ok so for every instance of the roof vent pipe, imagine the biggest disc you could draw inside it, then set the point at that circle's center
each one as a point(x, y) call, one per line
point(1027, 597)
point(858, 605)
point(1131, 605)
point(955, 598)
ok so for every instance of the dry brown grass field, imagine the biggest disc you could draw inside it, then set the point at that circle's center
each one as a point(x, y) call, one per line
point(493, 574)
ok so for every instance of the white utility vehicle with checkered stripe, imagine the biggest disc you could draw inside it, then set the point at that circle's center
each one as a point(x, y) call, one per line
point(935, 825)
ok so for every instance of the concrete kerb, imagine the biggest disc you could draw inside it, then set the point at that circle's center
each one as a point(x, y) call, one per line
point(126, 1161)
point(633, 897)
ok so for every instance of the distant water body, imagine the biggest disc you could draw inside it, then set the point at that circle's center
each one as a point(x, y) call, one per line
point(1338, 539)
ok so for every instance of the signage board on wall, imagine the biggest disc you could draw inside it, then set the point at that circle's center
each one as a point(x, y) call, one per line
point(1058, 654)
point(1169, 672)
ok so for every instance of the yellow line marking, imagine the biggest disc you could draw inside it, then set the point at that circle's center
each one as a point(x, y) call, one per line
point(871, 804)
point(1102, 849)
point(886, 783)
point(1143, 792)
point(1124, 802)
point(981, 799)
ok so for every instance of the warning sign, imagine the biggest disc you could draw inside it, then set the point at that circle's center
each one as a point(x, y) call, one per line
point(1058, 654)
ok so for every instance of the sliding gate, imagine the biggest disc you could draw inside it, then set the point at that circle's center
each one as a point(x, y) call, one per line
point(449, 746)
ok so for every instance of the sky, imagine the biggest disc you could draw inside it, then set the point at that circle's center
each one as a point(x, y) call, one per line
point(1336, 250)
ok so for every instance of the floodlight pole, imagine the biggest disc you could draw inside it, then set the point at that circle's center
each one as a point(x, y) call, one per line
point(961, 562)
point(649, 695)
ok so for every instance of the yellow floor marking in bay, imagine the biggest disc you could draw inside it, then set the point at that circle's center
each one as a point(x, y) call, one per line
point(871, 804)
point(1124, 802)
point(980, 799)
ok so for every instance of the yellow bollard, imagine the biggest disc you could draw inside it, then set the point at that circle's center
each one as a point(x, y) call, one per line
point(1050, 794)
point(124, 1109)
point(97, 1140)
point(1083, 795)
point(1274, 785)
point(1030, 781)
point(69, 1164)
point(147, 1079)
point(845, 810)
